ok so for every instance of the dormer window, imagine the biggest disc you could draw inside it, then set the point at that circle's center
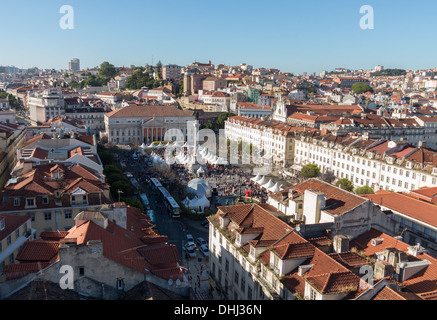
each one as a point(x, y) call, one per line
point(252, 252)
point(16, 202)
point(45, 199)
point(30, 202)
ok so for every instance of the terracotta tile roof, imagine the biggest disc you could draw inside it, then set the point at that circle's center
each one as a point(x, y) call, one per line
point(387, 293)
point(254, 216)
point(19, 270)
point(426, 193)
point(38, 250)
point(424, 283)
point(12, 223)
point(425, 156)
point(326, 275)
point(53, 235)
point(334, 282)
point(349, 259)
point(338, 201)
point(41, 136)
point(407, 205)
point(293, 246)
point(126, 247)
point(147, 111)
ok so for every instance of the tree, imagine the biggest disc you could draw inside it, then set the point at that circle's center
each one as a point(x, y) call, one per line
point(209, 125)
point(361, 87)
point(222, 118)
point(328, 176)
point(310, 171)
point(364, 190)
point(107, 70)
point(345, 184)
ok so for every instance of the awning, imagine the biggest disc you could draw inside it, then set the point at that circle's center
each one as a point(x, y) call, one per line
point(296, 167)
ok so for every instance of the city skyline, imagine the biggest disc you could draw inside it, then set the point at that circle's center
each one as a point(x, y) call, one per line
point(297, 38)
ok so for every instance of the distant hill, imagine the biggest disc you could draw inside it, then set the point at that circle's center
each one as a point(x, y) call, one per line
point(389, 73)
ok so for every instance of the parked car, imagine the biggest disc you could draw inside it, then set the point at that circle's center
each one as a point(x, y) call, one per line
point(190, 241)
point(200, 241)
point(189, 251)
point(205, 223)
point(204, 250)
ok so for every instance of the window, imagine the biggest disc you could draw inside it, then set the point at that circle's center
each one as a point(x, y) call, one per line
point(45, 200)
point(227, 265)
point(17, 233)
point(249, 293)
point(11, 258)
point(16, 202)
point(8, 240)
point(30, 202)
point(47, 216)
point(313, 294)
point(243, 285)
point(236, 278)
point(81, 271)
point(68, 214)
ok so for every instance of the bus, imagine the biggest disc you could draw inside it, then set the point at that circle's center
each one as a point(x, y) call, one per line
point(155, 184)
point(145, 201)
point(135, 184)
point(170, 203)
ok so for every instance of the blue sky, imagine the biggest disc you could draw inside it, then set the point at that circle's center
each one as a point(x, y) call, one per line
point(293, 36)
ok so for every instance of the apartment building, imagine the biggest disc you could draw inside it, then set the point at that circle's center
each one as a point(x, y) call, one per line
point(14, 232)
point(44, 105)
point(314, 202)
point(380, 164)
point(53, 194)
point(272, 137)
point(254, 255)
point(12, 138)
point(92, 117)
point(171, 72)
point(415, 212)
point(118, 240)
point(411, 129)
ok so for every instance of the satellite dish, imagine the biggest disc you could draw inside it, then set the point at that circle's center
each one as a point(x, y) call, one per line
point(170, 282)
point(298, 228)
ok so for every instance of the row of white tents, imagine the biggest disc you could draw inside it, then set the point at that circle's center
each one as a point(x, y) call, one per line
point(266, 184)
point(211, 158)
point(160, 145)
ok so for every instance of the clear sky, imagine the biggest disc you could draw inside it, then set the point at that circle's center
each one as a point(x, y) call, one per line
point(293, 36)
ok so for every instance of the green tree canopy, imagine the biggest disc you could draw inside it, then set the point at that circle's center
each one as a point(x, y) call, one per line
point(310, 171)
point(141, 79)
point(389, 73)
point(361, 87)
point(107, 70)
point(345, 184)
point(364, 190)
point(220, 123)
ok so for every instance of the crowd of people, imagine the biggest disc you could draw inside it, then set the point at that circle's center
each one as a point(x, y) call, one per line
point(226, 181)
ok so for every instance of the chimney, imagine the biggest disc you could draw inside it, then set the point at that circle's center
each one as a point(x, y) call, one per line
point(313, 204)
point(27, 166)
point(341, 244)
point(421, 144)
point(303, 269)
point(383, 269)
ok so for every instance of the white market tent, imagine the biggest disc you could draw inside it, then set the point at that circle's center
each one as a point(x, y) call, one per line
point(262, 181)
point(275, 188)
point(255, 179)
point(268, 185)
